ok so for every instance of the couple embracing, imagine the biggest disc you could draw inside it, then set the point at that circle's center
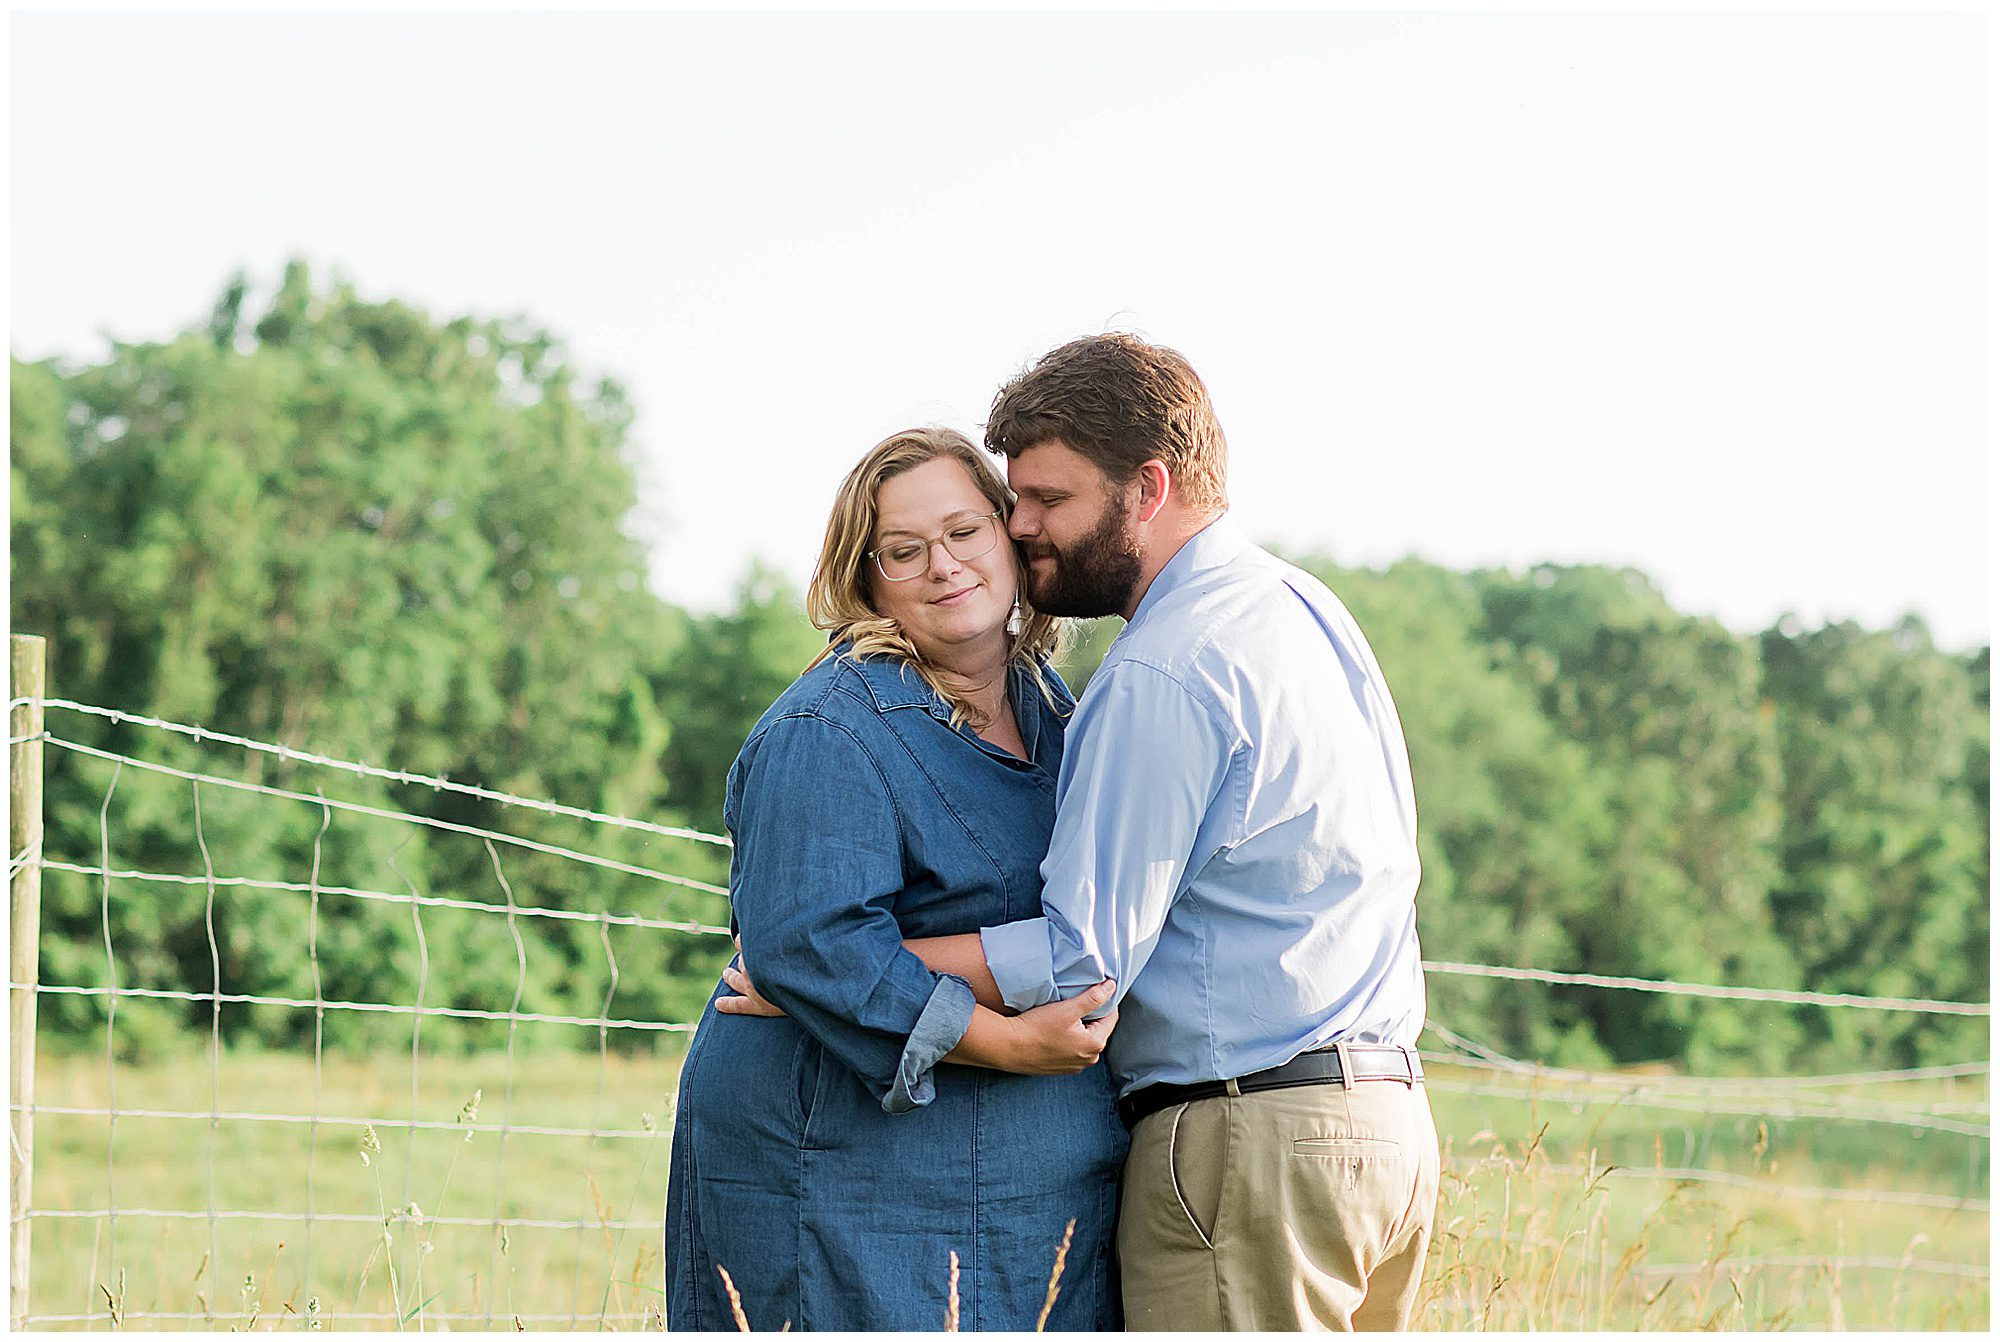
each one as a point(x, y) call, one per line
point(955, 887)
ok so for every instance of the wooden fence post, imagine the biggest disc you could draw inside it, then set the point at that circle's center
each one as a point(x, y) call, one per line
point(28, 667)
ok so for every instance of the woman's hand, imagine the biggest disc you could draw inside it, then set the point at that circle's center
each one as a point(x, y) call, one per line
point(1049, 1040)
point(747, 1001)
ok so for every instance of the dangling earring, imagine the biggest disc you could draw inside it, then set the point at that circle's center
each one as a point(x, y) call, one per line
point(1014, 621)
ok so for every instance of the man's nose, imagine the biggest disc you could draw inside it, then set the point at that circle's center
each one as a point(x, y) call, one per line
point(1023, 522)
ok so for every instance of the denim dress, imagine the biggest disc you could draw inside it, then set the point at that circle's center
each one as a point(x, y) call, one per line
point(828, 1160)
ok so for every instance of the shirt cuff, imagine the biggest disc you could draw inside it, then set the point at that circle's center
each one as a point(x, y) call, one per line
point(1022, 965)
point(939, 1027)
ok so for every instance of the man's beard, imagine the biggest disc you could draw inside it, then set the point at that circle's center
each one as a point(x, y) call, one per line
point(1094, 577)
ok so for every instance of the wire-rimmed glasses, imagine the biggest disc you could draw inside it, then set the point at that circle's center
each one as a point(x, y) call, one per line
point(965, 539)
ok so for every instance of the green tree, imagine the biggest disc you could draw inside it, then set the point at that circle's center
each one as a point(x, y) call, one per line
point(351, 527)
point(358, 530)
point(1510, 821)
point(1885, 838)
point(1667, 706)
point(727, 670)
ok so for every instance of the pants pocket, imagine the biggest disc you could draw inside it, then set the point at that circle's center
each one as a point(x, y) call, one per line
point(1345, 1146)
point(1356, 1162)
point(1199, 1197)
point(808, 1071)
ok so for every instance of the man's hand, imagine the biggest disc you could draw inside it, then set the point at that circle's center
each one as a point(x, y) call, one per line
point(1049, 1040)
point(747, 1001)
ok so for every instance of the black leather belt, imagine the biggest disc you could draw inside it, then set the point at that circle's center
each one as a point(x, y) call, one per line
point(1363, 1062)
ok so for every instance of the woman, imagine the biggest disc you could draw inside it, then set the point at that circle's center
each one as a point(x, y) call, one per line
point(832, 1159)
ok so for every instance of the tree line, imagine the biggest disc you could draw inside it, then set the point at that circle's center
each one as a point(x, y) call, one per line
point(356, 528)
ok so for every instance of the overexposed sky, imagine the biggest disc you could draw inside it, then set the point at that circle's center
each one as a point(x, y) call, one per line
point(1704, 293)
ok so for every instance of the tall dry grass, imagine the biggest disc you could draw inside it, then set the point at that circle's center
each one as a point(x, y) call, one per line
point(1523, 1242)
point(1549, 1216)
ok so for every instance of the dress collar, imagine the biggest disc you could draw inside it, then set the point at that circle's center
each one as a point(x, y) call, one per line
point(894, 683)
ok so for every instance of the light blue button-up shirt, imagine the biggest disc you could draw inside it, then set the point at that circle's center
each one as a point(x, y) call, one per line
point(1236, 832)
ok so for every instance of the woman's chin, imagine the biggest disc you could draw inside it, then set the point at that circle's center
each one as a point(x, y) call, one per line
point(958, 631)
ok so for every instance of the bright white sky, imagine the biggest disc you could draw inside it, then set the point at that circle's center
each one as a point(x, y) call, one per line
point(1707, 294)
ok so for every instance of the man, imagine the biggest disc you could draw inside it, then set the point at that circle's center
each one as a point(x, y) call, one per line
point(1235, 847)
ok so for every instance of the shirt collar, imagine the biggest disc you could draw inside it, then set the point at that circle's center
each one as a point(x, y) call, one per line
point(1211, 547)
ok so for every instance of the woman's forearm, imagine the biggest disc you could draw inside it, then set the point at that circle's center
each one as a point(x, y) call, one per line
point(1049, 1040)
point(988, 1042)
point(965, 956)
point(1053, 1039)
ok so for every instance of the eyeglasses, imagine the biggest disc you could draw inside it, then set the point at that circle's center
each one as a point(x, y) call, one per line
point(964, 540)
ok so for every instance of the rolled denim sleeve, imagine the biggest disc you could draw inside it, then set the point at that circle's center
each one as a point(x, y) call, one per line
point(812, 884)
point(940, 1027)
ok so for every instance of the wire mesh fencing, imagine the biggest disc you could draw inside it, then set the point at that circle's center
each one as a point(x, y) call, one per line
point(416, 1071)
point(291, 1064)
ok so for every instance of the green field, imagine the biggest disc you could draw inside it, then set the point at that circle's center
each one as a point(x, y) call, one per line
point(1602, 1224)
point(1530, 1234)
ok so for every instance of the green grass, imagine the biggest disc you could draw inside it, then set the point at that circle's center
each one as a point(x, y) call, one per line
point(1564, 1216)
point(1528, 1234)
point(260, 1268)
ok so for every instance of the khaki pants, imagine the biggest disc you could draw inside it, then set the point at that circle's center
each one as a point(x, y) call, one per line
point(1280, 1210)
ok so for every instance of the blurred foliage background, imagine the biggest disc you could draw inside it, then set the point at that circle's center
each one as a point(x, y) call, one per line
point(359, 529)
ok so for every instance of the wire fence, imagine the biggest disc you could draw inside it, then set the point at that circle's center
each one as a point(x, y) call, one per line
point(342, 1126)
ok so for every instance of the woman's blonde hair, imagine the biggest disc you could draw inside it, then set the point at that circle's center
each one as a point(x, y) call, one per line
point(837, 596)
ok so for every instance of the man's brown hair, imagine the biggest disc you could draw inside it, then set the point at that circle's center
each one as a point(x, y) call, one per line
point(1117, 401)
